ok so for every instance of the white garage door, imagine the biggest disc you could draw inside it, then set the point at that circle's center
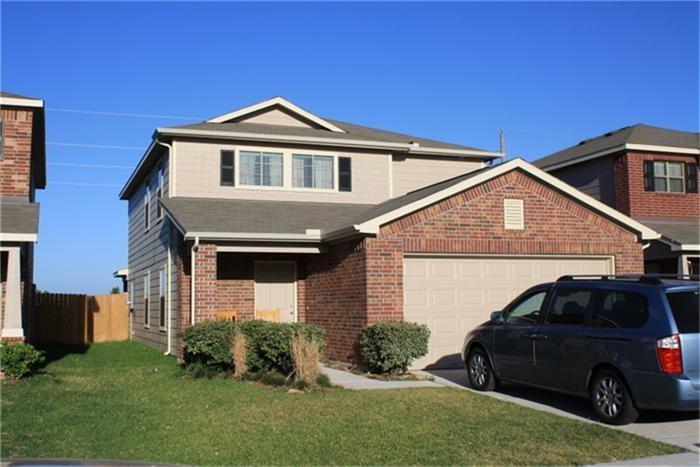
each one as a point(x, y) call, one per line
point(454, 294)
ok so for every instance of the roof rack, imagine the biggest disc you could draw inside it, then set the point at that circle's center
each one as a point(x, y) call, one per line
point(655, 279)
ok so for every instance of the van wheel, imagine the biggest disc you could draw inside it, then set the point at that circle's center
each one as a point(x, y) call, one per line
point(479, 371)
point(611, 400)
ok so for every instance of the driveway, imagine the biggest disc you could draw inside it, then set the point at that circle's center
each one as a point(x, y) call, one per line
point(682, 429)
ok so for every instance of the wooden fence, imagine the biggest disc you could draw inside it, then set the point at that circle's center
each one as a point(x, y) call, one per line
point(80, 319)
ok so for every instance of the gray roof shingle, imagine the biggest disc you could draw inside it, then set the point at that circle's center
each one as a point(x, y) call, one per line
point(16, 96)
point(18, 216)
point(682, 231)
point(635, 134)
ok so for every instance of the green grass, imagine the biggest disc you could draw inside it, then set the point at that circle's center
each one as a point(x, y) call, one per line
point(110, 403)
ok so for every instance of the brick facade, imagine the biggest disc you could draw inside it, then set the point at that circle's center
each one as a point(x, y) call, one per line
point(631, 199)
point(360, 281)
point(15, 165)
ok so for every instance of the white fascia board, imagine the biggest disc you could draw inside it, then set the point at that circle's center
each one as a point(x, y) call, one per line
point(353, 143)
point(684, 247)
point(21, 102)
point(645, 232)
point(282, 102)
point(138, 168)
point(623, 147)
point(301, 249)
point(124, 272)
point(248, 236)
point(18, 237)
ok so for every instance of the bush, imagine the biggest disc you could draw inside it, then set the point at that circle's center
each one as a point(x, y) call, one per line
point(18, 360)
point(269, 344)
point(209, 343)
point(391, 347)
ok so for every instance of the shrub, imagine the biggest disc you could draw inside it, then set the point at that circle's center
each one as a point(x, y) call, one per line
point(323, 381)
point(18, 360)
point(269, 344)
point(391, 347)
point(209, 343)
point(305, 357)
point(239, 351)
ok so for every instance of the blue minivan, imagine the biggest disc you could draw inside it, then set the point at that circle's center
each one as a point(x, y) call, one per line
point(629, 343)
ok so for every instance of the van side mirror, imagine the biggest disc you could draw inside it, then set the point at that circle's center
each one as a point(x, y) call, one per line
point(497, 317)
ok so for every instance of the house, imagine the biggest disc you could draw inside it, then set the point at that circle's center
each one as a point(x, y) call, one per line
point(273, 212)
point(649, 174)
point(22, 172)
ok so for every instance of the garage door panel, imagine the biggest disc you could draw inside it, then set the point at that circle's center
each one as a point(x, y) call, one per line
point(453, 295)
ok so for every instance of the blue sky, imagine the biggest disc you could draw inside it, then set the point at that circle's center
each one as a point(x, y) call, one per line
point(550, 74)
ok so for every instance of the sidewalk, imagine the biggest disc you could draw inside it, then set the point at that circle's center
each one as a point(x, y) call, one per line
point(350, 380)
point(683, 458)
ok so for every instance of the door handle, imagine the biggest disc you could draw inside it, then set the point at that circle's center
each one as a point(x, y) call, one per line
point(535, 336)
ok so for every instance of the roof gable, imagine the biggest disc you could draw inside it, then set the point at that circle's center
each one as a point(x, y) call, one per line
point(276, 111)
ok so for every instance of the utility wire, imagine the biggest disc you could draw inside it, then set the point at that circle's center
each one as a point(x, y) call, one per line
point(91, 166)
point(122, 114)
point(96, 146)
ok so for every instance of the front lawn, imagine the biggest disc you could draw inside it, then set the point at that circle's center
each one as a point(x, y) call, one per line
point(128, 402)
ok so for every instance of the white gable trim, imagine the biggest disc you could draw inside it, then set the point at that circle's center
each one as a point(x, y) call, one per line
point(21, 102)
point(282, 102)
point(372, 226)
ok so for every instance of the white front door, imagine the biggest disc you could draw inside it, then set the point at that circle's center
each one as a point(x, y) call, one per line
point(452, 295)
point(275, 291)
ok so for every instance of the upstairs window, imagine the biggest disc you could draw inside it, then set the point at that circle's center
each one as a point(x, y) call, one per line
point(159, 192)
point(261, 168)
point(310, 171)
point(147, 208)
point(670, 177)
point(227, 168)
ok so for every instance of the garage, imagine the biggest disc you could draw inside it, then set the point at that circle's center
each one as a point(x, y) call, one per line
point(453, 294)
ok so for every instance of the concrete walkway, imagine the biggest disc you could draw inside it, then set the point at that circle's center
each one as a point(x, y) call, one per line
point(683, 458)
point(350, 380)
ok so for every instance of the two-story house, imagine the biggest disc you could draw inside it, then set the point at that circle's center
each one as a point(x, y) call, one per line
point(649, 174)
point(273, 212)
point(22, 171)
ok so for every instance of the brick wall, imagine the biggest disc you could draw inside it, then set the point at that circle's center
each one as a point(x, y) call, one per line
point(236, 284)
point(631, 199)
point(15, 166)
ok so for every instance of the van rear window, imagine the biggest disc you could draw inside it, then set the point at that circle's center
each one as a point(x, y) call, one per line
point(684, 306)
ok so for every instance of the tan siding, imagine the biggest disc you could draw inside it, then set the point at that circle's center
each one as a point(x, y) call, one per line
point(197, 173)
point(411, 173)
point(276, 117)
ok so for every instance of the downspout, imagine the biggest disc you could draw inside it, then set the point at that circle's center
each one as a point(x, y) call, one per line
point(169, 309)
point(195, 247)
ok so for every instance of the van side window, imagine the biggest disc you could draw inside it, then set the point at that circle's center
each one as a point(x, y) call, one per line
point(527, 310)
point(617, 309)
point(569, 306)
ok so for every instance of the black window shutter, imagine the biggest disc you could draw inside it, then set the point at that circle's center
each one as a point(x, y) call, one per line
point(344, 174)
point(649, 176)
point(227, 167)
point(691, 177)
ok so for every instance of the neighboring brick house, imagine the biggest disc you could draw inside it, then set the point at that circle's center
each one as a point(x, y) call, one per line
point(22, 171)
point(649, 174)
point(273, 212)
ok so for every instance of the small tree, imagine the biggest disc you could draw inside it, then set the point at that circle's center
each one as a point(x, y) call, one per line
point(115, 290)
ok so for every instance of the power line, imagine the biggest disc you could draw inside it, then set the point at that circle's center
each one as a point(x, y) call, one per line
point(122, 114)
point(91, 166)
point(86, 184)
point(96, 146)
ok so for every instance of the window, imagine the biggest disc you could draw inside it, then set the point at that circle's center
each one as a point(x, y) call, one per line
point(569, 306)
point(161, 297)
point(147, 208)
point(159, 192)
point(685, 306)
point(227, 168)
point(665, 176)
point(618, 309)
point(309, 171)
point(261, 168)
point(146, 296)
point(344, 174)
point(527, 310)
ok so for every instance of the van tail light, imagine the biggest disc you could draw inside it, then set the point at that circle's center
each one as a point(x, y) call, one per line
point(668, 350)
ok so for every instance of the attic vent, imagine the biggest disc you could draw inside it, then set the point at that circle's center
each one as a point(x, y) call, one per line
point(513, 215)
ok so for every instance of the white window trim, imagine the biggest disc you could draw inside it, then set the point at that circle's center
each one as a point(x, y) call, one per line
point(668, 177)
point(162, 293)
point(147, 295)
point(286, 168)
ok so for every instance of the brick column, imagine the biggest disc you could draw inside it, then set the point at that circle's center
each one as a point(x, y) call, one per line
point(206, 299)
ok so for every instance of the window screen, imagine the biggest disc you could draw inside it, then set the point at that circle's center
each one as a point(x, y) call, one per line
point(309, 171)
point(569, 306)
point(617, 309)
